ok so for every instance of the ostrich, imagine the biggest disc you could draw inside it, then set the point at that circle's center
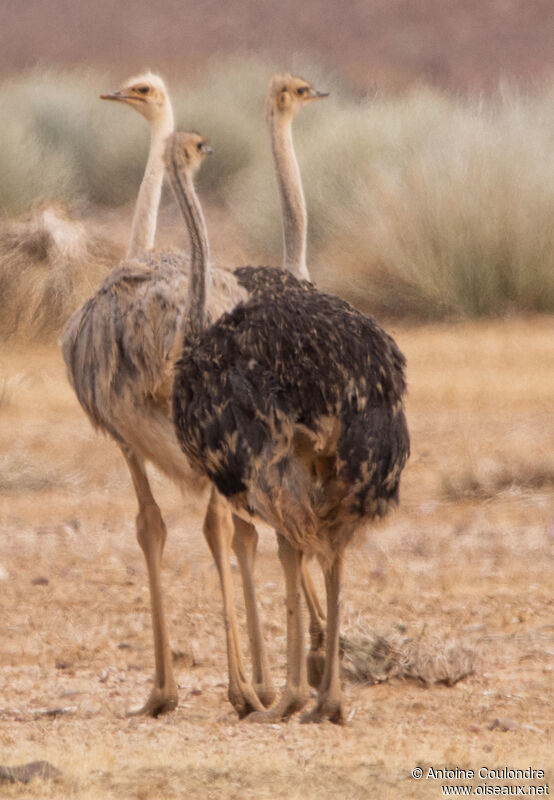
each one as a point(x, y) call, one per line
point(147, 94)
point(286, 96)
point(292, 405)
point(49, 262)
point(119, 352)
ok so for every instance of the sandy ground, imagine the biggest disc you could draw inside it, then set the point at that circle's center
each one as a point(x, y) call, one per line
point(465, 565)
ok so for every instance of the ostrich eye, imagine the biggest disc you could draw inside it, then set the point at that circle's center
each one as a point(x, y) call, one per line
point(142, 89)
point(302, 90)
point(200, 146)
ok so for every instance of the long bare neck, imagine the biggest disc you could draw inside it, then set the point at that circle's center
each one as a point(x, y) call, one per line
point(195, 308)
point(293, 204)
point(143, 229)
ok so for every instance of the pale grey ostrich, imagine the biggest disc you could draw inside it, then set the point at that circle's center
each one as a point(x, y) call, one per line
point(119, 351)
point(292, 405)
point(147, 94)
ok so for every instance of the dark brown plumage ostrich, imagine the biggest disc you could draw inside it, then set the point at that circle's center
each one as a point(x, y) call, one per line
point(119, 351)
point(292, 405)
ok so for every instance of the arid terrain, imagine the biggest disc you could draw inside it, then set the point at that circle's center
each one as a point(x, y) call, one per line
point(428, 176)
point(463, 571)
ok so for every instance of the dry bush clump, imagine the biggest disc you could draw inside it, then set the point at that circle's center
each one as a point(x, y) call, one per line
point(49, 264)
point(431, 660)
point(433, 206)
point(488, 478)
point(373, 658)
point(60, 140)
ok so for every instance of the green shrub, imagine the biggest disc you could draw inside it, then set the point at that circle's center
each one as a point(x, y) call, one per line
point(420, 204)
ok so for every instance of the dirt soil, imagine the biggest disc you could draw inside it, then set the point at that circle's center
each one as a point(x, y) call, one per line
point(464, 566)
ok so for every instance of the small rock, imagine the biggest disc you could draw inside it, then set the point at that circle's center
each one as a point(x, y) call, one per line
point(55, 712)
point(90, 710)
point(26, 772)
point(503, 724)
point(40, 581)
point(3, 573)
point(186, 658)
point(61, 664)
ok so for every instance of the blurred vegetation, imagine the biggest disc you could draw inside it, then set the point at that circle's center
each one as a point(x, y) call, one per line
point(49, 264)
point(421, 204)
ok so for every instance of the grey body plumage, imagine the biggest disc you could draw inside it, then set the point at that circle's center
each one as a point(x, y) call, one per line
point(119, 349)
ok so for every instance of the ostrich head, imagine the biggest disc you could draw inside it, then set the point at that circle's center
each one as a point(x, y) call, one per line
point(288, 94)
point(186, 151)
point(146, 93)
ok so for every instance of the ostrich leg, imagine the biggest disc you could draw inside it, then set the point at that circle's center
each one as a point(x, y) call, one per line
point(218, 530)
point(296, 691)
point(245, 543)
point(329, 701)
point(151, 535)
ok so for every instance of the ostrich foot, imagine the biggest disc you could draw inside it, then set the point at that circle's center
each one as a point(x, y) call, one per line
point(244, 699)
point(328, 707)
point(160, 701)
point(266, 694)
point(291, 700)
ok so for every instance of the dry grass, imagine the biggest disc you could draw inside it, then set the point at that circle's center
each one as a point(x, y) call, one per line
point(62, 142)
point(434, 206)
point(486, 480)
point(371, 658)
point(49, 264)
point(455, 585)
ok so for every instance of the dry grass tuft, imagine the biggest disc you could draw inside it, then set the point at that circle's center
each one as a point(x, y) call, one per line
point(21, 471)
point(489, 478)
point(433, 206)
point(369, 659)
point(372, 658)
point(430, 660)
point(49, 264)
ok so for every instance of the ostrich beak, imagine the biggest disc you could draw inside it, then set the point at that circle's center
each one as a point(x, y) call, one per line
point(121, 96)
point(319, 95)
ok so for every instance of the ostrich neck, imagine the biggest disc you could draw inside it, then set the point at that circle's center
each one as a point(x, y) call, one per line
point(195, 308)
point(293, 204)
point(143, 229)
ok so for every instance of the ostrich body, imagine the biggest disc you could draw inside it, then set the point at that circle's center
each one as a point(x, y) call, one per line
point(292, 405)
point(119, 349)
